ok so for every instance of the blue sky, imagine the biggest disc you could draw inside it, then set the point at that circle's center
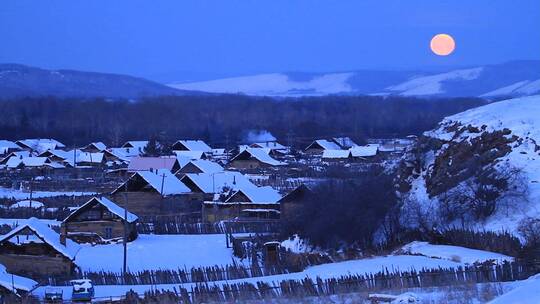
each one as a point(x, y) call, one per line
point(193, 40)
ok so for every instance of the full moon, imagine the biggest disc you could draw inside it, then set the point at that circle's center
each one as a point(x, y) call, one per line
point(442, 44)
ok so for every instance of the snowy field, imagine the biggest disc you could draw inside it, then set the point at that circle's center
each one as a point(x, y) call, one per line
point(325, 271)
point(453, 253)
point(158, 252)
point(20, 195)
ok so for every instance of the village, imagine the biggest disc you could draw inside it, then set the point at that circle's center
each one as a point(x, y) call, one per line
point(61, 208)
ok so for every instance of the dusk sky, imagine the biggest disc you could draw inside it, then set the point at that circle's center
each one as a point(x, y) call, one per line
point(194, 40)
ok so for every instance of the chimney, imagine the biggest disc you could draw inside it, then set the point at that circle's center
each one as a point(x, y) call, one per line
point(63, 234)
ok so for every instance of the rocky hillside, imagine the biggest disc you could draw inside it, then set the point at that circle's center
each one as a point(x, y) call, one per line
point(480, 168)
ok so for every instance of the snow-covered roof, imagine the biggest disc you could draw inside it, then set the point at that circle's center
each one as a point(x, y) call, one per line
point(47, 235)
point(194, 145)
point(364, 151)
point(265, 194)
point(110, 205)
point(151, 163)
point(124, 154)
point(10, 281)
point(28, 204)
point(344, 142)
point(189, 154)
point(137, 144)
point(158, 178)
point(100, 146)
point(5, 145)
point(40, 144)
point(206, 166)
point(207, 182)
point(14, 162)
point(324, 144)
point(87, 157)
point(336, 154)
point(274, 145)
point(260, 155)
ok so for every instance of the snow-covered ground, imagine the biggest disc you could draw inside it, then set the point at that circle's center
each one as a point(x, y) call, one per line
point(325, 271)
point(21, 195)
point(453, 253)
point(525, 292)
point(158, 252)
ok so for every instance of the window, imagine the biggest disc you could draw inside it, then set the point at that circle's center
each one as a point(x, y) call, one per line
point(108, 232)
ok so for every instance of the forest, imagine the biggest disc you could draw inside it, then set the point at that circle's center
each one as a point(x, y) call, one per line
point(223, 119)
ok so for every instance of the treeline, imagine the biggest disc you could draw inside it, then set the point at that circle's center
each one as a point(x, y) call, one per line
point(222, 119)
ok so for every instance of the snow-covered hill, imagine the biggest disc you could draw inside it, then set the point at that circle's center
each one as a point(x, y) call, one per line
point(518, 78)
point(504, 136)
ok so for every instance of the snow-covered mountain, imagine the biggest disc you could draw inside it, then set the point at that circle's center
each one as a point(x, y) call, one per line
point(500, 139)
point(20, 81)
point(517, 78)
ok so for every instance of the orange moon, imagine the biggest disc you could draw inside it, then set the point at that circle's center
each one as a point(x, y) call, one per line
point(442, 44)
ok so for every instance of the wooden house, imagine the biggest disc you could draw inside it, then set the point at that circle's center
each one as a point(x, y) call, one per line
point(337, 156)
point(35, 249)
point(13, 286)
point(39, 145)
point(291, 202)
point(252, 158)
point(101, 219)
point(320, 145)
point(199, 166)
point(191, 145)
point(94, 147)
point(153, 193)
point(7, 146)
point(248, 203)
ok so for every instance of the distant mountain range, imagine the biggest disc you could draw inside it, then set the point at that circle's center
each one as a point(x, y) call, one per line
point(516, 78)
point(19, 80)
point(512, 79)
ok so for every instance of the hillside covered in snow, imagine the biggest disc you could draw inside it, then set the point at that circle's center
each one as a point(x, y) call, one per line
point(480, 168)
point(518, 78)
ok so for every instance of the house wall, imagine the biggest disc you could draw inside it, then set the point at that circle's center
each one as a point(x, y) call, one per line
point(215, 212)
point(151, 203)
point(100, 227)
point(36, 265)
point(246, 164)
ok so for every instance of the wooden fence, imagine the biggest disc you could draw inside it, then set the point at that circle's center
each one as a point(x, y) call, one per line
point(383, 280)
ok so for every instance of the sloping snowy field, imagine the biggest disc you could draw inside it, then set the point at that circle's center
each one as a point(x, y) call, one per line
point(453, 253)
point(525, 292)
point(158, 252)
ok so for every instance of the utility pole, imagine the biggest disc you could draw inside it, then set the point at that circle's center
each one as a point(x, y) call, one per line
point(125, 228)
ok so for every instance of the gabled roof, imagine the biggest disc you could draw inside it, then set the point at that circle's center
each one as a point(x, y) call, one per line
point(265, 194)
point(87, 157)
point(105, 202)
point(193, 145)
point(158, 178)
point(47, 235)
point(153, 163)
point(206, 166)
point(364, 151)
point(10, 281)
point(124, 154)
point(323, 144)
point(100, 146)
point(344, 142)
point(260, 155)
point(336, 154)
point(274, 145)
point(6, 145)
point(296, 194)
point(137, 144)
point(40, 144)
point(14, 162)
point(215, 182)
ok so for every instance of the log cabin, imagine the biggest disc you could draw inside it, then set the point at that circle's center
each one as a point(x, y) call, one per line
point(157, 192)
point(99, 219)
point(34, 249)
point(252, 158)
